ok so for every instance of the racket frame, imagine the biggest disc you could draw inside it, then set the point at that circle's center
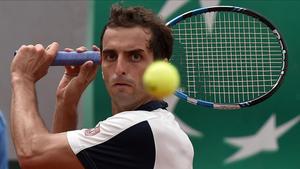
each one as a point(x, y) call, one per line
point(180, 94)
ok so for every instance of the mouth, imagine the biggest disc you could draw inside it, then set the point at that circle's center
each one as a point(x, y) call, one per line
point(121, 84)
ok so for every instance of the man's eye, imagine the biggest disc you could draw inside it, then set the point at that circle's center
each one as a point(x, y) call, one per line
point(111, 57)
point(136, 57)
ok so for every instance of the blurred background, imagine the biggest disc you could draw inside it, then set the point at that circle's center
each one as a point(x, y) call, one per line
point(270, 130)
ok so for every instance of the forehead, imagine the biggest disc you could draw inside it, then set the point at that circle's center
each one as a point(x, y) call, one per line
point(121, 37)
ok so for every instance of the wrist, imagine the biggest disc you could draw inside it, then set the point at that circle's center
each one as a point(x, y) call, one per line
point(62, 106)
point(21, 81)
point(17, 79)
point(64, 101)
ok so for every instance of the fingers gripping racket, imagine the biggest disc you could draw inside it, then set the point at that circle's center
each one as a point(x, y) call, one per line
point(236, 61)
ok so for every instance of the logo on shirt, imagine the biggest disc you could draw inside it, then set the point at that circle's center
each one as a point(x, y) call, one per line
point(92, 131)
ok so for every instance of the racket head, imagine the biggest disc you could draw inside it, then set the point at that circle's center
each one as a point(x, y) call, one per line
point(237, 61)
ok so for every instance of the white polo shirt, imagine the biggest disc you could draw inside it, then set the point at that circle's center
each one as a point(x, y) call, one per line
point(134, 140)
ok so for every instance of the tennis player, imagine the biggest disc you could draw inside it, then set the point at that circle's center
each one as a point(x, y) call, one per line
point(141, 133)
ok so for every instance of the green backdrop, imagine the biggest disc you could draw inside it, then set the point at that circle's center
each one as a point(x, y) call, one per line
point(268, 134)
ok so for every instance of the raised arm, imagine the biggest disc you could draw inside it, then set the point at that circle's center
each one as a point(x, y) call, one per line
point(35, 146)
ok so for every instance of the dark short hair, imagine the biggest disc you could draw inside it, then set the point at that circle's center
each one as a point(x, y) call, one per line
point(161, 41)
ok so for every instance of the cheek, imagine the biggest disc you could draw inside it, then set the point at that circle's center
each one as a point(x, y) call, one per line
point(140, 79)
point(105, 71)
point(105, 76)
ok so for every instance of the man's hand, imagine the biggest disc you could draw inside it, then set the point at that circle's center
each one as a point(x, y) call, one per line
point(73, 83)
point(76, 79)
point(31, 63)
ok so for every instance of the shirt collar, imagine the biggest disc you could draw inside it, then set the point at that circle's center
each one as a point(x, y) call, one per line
point(153, 105)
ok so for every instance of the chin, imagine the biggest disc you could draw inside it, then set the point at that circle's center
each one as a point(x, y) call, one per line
point(122, 91)
point(121, 95)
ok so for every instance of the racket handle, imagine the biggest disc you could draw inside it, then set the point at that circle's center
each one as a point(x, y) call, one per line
point(74, 58)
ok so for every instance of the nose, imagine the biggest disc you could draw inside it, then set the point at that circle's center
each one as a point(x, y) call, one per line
point(121, 66)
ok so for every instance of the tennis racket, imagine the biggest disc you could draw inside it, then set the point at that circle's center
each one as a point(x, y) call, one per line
point(236, 61)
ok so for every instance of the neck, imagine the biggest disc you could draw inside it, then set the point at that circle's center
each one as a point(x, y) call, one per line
point(118, 108)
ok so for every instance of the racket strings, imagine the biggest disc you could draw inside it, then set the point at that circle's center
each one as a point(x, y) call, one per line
point(236, 59)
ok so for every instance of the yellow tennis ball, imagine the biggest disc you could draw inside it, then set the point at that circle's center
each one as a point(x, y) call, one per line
point(161, 79)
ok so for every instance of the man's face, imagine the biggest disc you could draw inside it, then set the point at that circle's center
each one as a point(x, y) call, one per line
point(125, 56)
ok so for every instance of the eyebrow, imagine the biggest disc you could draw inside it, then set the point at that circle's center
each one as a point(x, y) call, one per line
point(128, 51)
point(136, 51)
point(108, 51)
